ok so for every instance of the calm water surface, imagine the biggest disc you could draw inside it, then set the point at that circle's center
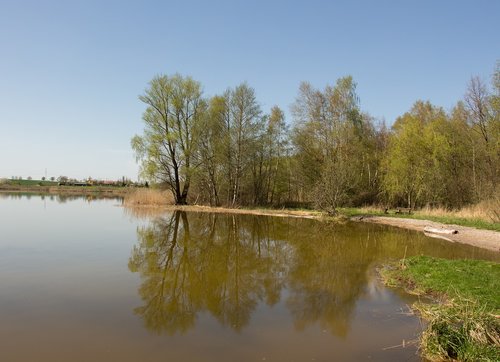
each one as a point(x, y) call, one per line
point(85, 280)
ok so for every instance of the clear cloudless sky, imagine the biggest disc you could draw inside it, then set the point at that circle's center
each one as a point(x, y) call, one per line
point(71, 71)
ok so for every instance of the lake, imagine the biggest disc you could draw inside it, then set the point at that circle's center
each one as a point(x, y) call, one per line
point(84, 279)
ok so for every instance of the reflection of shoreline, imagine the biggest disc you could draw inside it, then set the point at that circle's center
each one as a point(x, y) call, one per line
point(227, 265)
point(480, 238)
point(60, 198)
point(190, 267)
point(65, 190)
point(224, 210)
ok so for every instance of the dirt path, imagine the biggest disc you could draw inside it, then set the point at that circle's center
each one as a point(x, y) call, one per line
point(486, 239)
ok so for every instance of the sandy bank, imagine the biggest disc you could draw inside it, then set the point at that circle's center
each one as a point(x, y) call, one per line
point(306, 214)
point(486, 239)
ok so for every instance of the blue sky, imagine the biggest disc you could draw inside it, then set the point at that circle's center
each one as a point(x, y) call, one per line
point(71, 71)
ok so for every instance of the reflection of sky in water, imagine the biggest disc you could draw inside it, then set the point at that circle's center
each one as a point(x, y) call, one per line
point(206, 287)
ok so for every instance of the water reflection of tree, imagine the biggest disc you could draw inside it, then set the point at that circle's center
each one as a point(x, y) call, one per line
point(167, 288)
point(60, 198)
point(227, 264)
point(209, 264)
point(327, 279)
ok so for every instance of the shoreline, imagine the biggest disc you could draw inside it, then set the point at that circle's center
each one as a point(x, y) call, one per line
point(485, 239)
point(304, 214)
point(482, 238)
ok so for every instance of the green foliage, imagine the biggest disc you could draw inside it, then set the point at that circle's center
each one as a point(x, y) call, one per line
point(31, 183)
point(226, 151)
point(337, 146)
point(167, 148)
point(415, 162)
point(438, 159)
point(243, 154)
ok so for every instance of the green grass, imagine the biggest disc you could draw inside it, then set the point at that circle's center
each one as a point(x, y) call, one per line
point(31, 183)
point(463, 325)
point(476, 223)
point(476, 280)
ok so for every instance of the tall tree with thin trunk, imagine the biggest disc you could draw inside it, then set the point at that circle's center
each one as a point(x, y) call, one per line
point(213, 151)
point(244, 125)
point(276, 141)
point(484, 119)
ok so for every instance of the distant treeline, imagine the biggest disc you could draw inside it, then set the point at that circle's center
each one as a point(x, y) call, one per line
point(224, 150)
point(66, 181)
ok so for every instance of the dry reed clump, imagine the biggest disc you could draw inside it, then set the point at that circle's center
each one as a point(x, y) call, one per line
point(149, 197)
point(372, 209)
point(487, 210)
point(462, 331)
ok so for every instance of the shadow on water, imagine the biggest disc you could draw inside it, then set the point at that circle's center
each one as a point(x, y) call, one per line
point(226, 265)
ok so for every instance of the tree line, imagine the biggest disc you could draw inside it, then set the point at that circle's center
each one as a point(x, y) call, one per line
point(224, 150)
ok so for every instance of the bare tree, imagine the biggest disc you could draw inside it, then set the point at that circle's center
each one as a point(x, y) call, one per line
point(483, 116)
point(477, 101)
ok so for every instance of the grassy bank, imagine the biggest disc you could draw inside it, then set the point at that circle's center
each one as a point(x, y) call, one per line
point(464, 324)
point(31, 183)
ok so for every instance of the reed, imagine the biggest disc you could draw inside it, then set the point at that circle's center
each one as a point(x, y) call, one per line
point(487, 210)
point(149, 197)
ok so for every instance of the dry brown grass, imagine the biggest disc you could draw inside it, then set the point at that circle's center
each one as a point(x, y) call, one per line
point(372, 209)
point(149, 197)
point(488, 210)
